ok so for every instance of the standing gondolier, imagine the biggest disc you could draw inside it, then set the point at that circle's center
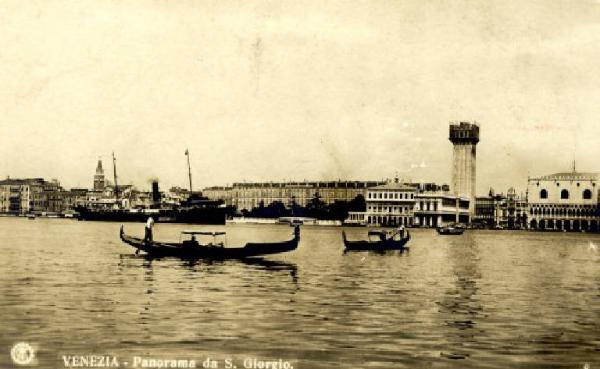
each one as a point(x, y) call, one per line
point(400, 231)
point(148, 229)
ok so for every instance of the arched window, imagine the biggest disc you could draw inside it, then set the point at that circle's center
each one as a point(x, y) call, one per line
point(543, 194)
point(564, 194)
point(587, 194)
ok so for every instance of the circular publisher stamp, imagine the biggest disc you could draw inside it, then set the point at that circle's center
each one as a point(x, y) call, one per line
point(22, 353)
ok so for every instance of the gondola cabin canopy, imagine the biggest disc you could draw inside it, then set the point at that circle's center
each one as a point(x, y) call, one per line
point(204, 233)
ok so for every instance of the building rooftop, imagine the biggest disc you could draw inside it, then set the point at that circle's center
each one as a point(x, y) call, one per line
point(440, 194)
point(395, 186)
point(309, 184)
point(573, 176)
point(21, 181)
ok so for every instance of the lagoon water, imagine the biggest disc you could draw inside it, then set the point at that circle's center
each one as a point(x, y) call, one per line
point(486, 299)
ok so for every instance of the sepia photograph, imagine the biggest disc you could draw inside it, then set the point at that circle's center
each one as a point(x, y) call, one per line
point(299, 184)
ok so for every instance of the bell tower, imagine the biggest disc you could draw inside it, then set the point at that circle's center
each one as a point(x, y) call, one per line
point(99, 182)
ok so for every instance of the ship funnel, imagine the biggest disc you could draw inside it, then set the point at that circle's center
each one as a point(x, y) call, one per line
point(155, 193)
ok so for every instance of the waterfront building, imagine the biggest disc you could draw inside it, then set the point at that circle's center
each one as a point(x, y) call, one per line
point(10, 196)
point(464, 136)
point(78, 196)
point(564, 201)
point(99, 180)
point(411, 205)
point(251, 195)
point(176, 195)
point(501, 211)
point(224, 193)
point(30, 195)
point(510, 211)
point(440, 208)
point(485, 211)
point(390, 204)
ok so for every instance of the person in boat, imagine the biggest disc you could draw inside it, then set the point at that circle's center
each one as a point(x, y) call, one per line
point(391, 234)
point(148, 230)
point(192, 242)
point(401, 232)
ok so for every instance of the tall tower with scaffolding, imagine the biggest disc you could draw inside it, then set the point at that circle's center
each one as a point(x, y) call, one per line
point(464, 136)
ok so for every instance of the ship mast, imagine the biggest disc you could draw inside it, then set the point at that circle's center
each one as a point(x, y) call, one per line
point(187, 153)
point(115, 175)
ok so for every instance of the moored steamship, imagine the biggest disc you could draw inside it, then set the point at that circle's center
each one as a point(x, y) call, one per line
point(201, 212)
point(195, 209)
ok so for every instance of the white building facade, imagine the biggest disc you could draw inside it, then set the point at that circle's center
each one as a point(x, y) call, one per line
point(411, 205)
point(390, 205)
point(564, 202)
point(439, 209)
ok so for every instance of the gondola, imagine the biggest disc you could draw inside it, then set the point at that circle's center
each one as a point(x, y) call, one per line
point(383, 241)
point(451, 230)
point(192, 249)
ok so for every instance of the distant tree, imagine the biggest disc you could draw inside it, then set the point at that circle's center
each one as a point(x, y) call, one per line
point(316, 208)
point(275, 209)
point(295, 209)
point(338, 210)
point(357, 204)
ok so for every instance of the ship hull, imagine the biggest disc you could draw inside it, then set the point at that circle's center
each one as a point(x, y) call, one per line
point(192, 215)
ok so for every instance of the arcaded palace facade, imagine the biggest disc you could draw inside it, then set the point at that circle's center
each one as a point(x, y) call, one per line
point(564, 201)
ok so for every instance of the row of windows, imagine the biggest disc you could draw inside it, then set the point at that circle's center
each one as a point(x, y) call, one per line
point(564, 194)
point(428, 206)
point(556, 206)
point(577, 212)
point(393, 221)
point(391, 195)
point(384, 209)
point(558, 184)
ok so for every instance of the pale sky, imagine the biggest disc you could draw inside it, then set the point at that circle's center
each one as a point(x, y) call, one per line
point(296, 90)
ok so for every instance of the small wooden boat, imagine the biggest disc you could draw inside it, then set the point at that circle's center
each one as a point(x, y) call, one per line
point(192, 249)
point(453, 229)
point(379, 241)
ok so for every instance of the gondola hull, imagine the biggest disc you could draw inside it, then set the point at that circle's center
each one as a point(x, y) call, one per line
point(450, 231)
point(362, 245)
point(191, 250)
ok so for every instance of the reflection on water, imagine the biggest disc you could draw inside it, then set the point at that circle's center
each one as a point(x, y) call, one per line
point(460, 307)
point(405, 250)
point(200, 265)
point(483, 299)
